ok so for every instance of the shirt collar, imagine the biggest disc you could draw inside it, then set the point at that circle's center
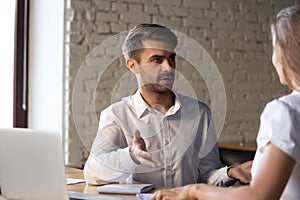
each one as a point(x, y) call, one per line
point(176, 106)
point(141, 106)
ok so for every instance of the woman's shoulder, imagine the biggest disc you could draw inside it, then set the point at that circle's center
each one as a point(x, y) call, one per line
point(282, 109)
point(280, 124)
point(288, 103)
point(292, 100)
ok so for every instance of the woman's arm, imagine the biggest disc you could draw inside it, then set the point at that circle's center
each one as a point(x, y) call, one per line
point(269, 182)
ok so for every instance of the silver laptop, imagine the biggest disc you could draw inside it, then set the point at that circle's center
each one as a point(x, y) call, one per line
point(32, 166)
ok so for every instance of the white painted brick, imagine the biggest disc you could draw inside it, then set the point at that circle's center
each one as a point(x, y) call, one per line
point(223, 55)
point(223, 25)
point(77, 38)
point(102, 5)
point(246, 26)
point(80, 4)
point(135, 18)
point(136, 1)
point(210, 14)
point(222, 5)
point(265, 10)
point(193, 22)
point(103, 27)
point(261, 36)
point(251, 17)
point(180, 11)
point(262, 56)
point(251, 46)
point(265, 28)
point(165, 10)
point(77, 50)
point(211, 34)
point(135, 8)
point(167, 2)
point(207, 45)
point(167, 21)
point(96, 38)
point(196, 13)
point(247, 126)
point(151, 9)
point(107, 17)
point(251, 136)
point(250, 36)
point(237, 36)
point(78, 15)
point(237, 55)
point(251, 55)
point(254, 76)
point(223, 44)
point(90, 14)
point(197, 4)
point(75, 26)
point(119, 7)
point(181, 29)
point(173, 11)
point(225, 15)
point(117, 27)
point(196, 32)
point(223, 34)
point(244, 6)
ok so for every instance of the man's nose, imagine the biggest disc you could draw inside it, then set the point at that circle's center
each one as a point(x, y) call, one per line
point(167, 65)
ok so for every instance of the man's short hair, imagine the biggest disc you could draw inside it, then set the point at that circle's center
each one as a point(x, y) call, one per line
point(133, 41)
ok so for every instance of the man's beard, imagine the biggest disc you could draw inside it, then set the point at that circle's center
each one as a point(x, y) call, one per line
point(160, 88)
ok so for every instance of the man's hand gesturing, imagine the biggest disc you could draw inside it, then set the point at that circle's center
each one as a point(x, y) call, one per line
point(139, 153)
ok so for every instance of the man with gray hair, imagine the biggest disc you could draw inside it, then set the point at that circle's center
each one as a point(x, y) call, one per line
point(158, 135)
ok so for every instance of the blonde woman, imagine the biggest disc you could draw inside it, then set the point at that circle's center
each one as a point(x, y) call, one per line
point(276, 166)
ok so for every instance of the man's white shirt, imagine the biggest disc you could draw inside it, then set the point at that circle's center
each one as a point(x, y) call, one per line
point(183, 140)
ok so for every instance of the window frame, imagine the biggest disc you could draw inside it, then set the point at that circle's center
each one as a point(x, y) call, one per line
point(20, 94)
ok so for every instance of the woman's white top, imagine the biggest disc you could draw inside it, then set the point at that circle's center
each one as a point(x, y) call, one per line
point(280, 124)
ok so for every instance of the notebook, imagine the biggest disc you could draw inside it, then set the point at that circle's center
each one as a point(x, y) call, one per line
point(32, 167)
point(125, 188)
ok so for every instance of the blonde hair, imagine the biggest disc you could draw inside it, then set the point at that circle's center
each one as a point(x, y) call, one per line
point(286, 29)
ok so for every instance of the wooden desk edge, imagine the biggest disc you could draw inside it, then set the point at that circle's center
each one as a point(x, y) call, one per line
point(235, 146)
point(88, 188)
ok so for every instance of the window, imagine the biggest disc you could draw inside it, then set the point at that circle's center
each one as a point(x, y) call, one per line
point(21, 64)
point(7, 19)
point(13, 67)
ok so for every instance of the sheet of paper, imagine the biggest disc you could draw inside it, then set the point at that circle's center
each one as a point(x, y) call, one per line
point(125, 188)
point(144, 196)
point(71, 181)
point(83, 196)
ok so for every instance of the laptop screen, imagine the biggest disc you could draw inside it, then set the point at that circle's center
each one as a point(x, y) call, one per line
point(32, 165)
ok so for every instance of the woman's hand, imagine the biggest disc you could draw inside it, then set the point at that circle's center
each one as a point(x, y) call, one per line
point(180, 193)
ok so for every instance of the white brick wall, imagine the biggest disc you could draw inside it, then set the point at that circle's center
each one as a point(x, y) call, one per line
point(234, 32)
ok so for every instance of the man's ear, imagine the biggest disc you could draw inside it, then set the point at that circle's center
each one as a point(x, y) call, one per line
point(132, 65)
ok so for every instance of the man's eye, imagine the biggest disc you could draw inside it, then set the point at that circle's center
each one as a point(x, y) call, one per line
point(157, 60)
point(172, 59)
